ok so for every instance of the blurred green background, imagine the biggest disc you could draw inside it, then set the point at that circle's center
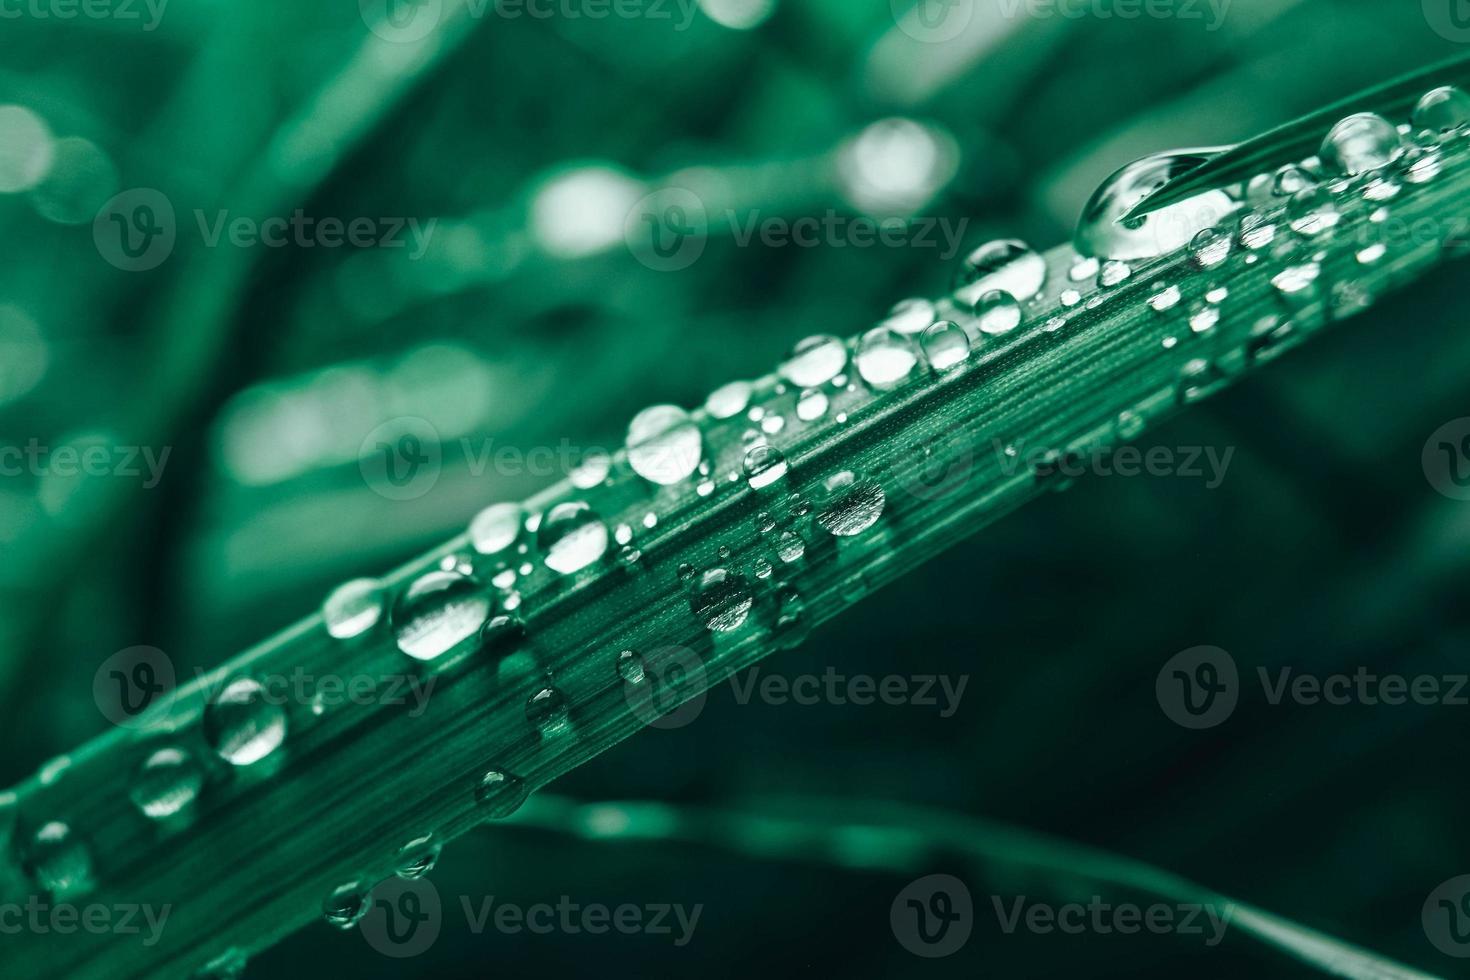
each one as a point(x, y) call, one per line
point(524, 143)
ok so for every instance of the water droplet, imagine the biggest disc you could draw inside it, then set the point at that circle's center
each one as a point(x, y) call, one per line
point(571, 537)
point(764, 465)
point(814, 361)
point(1313, 212)
point(650, 520)
point(811, 405)
point(1101, 232)
point(790, 547)
point(1006, 264)
point(1083, 269)
point(1070, 297)
point(1165, 299)
point(242, 725)
point(763, 568)
point(353, 608)
point(1372, 253)
point(591, 471)
point(885, 358)
point(998, 313)
point(630, 667)
point(496, 528)
point(1360, 143)
point(1128, 425)
point(910, 316)
point(773, 424)
point(500, 793)
point(728, 401)
point(166, 782)
point(946, 345)
point(1425, 168)
point(1217, 294)
point(417, 858)
point(852, 506)
point(664, 444)
point(437, 612)
point(59, 860)
point(1113, 273)
point(547, 710)
point(1256, 232)
point(1204, 318)
point(1442, 110)
point(346, 906)
point(1210, 248)
point(1298, 281)
point(721, 600)
point(1290, 181)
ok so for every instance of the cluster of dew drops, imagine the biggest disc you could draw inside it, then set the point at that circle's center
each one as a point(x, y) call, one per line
point(1365, 160)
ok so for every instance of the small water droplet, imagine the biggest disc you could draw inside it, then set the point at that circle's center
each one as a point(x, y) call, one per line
point(773, 424)
point(346, 906)
point(1210, 248)
point(946, 345)
point(1256, 232)
point(1291, 180)
point(1442, 110)
point(353, 608)
point(886, 358)
point(910, 316)
point(811, 405)
point(790, 547)
point(500, 793)
point(763, 568)
point(1298, 281)
point(1083, 269)
point(242, 725)
point(59, 860)
point(1007, 264)
point(721, 600)
point(496, 528)
point(571, 537)
point(1424, 168)
point(417, 858)
point(1360, 143)
point(167, 782)
point(592, 470)
point(1204, 318)
point(547, 710)
point(729, 400)
point(1070, 297)
point(438, 611)
point(1165, 299)
point(764, 465)
point(1313, 212)
point(1371, 254)
point(814, 361)
point(998, 313)
point(1113, 273)
point(852, 505)
point(630, 667)
point(664, 444)
point(1128, 425)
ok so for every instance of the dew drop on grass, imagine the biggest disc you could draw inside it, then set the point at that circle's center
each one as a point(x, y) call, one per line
point(591, 471)
point(1424, 168)
point(728, 400)
point(763, 466)
point(346, 906)
point(353, 608)
point(886, 358)
point(242, 724)
point(1442, 110)
point(496, 528)
point(1165, 299)
point(166, 782)
point(417, 858)
point(1359, 143)
point(998, 313)
point(946, 345)
point(790, 547)
point(630, 667)
point(1297, 283)
point(721, 600)
point(1210, 248)
point(547, 710)
point(1083, 269)
point(1101, 232)
point(571, 537)
point(910, 316)
point(1257, 232)
point(437, 612)
point(814, 361)
point(1113, 273)
point(664, 444)
point(1313, 212)
point(811, 404)
point(500, 793)
point(59, 860)
point(852, 505)
point(1006, 264)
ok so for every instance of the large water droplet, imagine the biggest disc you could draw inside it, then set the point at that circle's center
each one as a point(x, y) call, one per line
point(886, 358)
point(353, 608)
point(852, 506)
point(242, 724)
point(437, 612)
point(346, 906)
point(59, 860)
point(1442, 110)
point(1360, 143)
point(728, 400)
point(1006, 264)
point(910, 316)
point(946, 345)
point(664, 444)
point(571, 537)
point(814, 361)
point(166, 782)
point(763, 466)
point(496, 528)
point(1101, 234)
point(417, 858)
point(997, 313)
point(721, 600)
